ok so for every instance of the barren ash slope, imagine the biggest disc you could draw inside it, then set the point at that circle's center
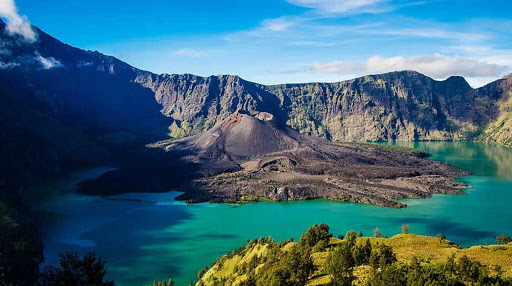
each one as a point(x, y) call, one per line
point(253, 156)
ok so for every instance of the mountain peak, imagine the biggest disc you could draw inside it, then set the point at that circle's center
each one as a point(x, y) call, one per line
point(243, 136)
point(458, 81)
point(456, 78)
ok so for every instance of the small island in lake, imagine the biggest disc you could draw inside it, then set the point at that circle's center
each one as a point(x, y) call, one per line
point(254, 156)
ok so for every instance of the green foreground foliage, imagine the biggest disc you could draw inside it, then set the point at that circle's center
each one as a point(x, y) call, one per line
point(320, 259)
point(21, 250)
point(74, 270)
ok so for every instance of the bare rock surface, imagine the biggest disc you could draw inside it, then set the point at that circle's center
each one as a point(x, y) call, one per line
point(252, 156)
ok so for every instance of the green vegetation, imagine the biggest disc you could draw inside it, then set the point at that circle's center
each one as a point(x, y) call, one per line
point(405, 229)
point(503, 239)
point(441, 237)
point(73, 270)
point(499, 130)
point(320, 259)
point(21, 250)
point(163, 283)
point(183, 129)
point(398, 149)
point(377, 233)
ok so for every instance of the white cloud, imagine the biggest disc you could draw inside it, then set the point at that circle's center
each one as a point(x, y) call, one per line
point(16, 24)
point(48, 63)
point(8, 65)
point(277, 24)
point(84, 64)
point(434, 65)
point(187, 52)
point(430, 33)
point(342, 6)
point(291, 29)
point(283, 26)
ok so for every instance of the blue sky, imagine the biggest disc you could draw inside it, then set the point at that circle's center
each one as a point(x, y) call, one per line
point(279, 41)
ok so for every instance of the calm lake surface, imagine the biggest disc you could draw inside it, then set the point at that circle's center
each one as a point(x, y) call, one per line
point(150, 236)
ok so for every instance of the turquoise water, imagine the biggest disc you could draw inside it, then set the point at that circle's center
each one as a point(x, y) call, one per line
point(150, 236)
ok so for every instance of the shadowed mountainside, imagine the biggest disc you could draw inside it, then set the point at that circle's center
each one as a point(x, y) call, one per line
point(63, 108)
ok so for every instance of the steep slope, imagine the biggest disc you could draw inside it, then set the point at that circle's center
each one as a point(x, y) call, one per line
point(77, 86)
point(242, 137)
point(500, 130)
point(62, 107)
point(397, 106)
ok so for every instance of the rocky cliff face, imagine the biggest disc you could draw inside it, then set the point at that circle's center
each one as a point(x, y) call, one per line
point(499, 130)
point(398, 106)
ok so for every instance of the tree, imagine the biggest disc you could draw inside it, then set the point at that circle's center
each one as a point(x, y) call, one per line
point(202, 272)
point(290, 268)
point(450, 266)
point(441, 237)
point(163, 283)
point(392, 275)
point(73, 270)
point(507, 240)
point(317, 234)
point(350, 238)
point(21, 249)
point(341, 261)
point(362, 253)
point(382, 255)
point(405, 228)
point(360, 234)
point(377, 233)
point(339, 265)
point(500, 238)
point(470, 271)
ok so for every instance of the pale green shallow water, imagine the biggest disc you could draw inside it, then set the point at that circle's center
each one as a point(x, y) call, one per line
point(150, 236)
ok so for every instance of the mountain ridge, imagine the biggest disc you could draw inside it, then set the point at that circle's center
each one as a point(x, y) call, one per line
point(107, 103)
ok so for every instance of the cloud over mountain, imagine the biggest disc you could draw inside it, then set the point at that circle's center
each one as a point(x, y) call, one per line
point(434, 65)
point(16, 23)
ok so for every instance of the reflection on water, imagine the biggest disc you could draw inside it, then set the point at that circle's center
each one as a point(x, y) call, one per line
point(482, 159)
point(150, 236)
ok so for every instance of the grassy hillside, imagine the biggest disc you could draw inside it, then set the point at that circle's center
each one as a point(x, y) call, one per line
point(413, 257)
